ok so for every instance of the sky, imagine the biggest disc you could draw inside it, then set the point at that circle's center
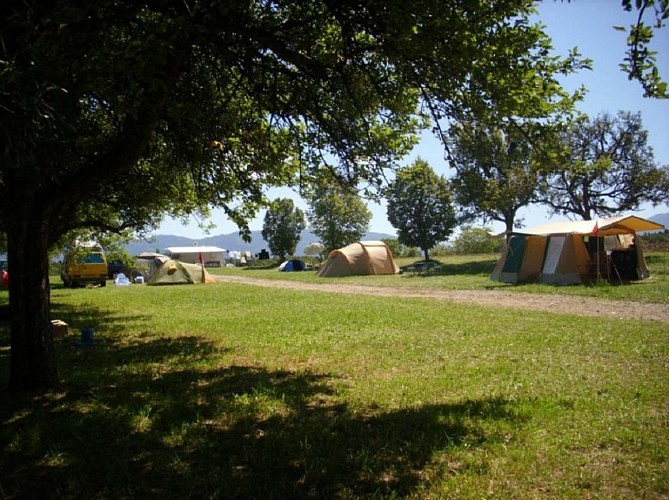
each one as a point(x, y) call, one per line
point(586, 24)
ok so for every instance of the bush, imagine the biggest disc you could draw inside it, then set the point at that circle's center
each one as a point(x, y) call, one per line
point(474, 240)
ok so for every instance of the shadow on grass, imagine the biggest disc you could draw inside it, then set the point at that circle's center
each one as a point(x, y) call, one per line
point(163, 417)
point(257, 267)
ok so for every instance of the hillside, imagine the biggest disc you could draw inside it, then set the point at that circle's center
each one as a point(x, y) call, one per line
point(661, 219)
point(231, 241)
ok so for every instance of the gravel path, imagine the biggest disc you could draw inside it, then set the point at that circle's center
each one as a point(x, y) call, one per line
point(564, 304)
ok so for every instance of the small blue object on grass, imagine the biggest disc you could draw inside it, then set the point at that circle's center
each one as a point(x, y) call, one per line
point(86, 338)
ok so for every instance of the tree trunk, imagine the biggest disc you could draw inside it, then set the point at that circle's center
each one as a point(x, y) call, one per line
point(427, 256)
point(32, 359)
point(508, 229)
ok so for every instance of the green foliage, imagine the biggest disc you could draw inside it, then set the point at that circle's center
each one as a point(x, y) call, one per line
point(337, 216)
point(606, 167)
point(282, 226)
point(315, 250)
point(395, 246)
point(420, 207)
point(412, 252)
point(641, 62)
point(498, 169)
point(476, 240)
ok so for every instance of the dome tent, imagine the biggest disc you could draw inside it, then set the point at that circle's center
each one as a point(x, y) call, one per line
point(293, 265)
point(361, 258)
point(175, 272)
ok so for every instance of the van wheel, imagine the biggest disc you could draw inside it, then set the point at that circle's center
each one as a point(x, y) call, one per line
point(103, 283)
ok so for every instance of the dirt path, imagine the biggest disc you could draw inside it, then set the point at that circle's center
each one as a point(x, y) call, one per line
point(553, 303)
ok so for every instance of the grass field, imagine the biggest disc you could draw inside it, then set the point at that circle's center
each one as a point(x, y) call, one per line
point(228, 390)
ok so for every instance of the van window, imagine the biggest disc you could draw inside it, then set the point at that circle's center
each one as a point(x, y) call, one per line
point(93, 258)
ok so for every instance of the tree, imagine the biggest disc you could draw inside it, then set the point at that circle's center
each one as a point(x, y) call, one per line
point(606, 168)
point(282, 226)
point(472, 240)
point(114, 113)
point(315, 250)
point(420, 207)
point(496, 172)
point(395, 246)
point(338, 216)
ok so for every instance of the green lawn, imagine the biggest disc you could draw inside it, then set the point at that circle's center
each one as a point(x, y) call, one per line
point(228, 390)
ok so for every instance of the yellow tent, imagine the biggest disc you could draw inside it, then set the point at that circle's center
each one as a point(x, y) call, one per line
point(175, 272)
point(361, 258)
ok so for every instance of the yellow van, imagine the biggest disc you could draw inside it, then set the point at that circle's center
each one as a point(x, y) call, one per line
point(84, 264)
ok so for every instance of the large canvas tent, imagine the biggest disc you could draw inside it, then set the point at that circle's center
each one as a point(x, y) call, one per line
point(209, 255)
point(361, 258)
point(175, 272)
point(568, 252)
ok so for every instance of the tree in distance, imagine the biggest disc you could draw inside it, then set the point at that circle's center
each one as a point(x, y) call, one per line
point(315, 250)
point(606, 167)
point(420, 207)
point(282, 226)
point(498, 170)
point(473, 240)
point(338, 216)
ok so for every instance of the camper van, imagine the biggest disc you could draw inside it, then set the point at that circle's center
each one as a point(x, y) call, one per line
point(84, 264)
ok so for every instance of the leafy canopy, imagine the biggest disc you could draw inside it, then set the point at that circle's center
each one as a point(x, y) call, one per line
point(420, 207)
point(606, 167)
point(338, 216)
point(499, 168)
point(282, 226)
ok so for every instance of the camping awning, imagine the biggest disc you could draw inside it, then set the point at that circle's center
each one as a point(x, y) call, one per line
point(601, 227)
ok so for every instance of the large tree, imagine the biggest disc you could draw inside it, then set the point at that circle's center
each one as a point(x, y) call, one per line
point(606, 167)
point(114, 112)
point(496, 169)
point(337, 215)
point(282, 226)
point(420, 207)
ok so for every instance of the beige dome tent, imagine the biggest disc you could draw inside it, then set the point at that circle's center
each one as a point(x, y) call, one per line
point(175, 272)
point(361, 258)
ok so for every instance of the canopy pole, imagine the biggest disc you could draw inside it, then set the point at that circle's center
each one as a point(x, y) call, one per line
point(595, 231)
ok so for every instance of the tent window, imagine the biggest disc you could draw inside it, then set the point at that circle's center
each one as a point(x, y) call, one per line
point(553, 253)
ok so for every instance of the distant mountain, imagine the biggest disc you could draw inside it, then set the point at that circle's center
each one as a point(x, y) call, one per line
point(231, 241)
point(661, 219)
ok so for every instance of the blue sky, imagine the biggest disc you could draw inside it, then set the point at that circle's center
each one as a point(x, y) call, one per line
point(586, 24)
